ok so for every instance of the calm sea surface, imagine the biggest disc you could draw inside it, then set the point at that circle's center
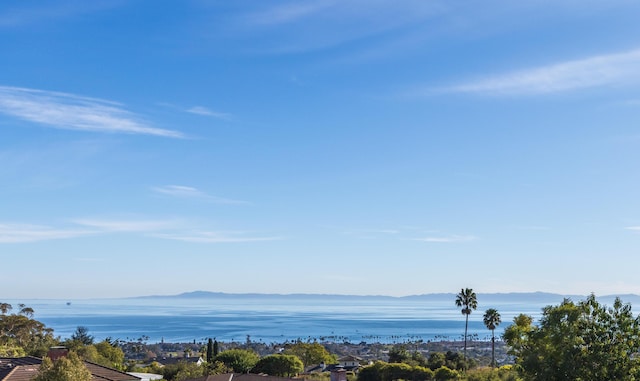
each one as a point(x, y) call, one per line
point(273, 319)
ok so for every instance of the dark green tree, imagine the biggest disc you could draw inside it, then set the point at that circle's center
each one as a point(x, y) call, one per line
point(466, 299)
point(373, 372)
point(491, 320)
point(279, 365)
point(240, 360)
point(82, 336)
point(578, 341)
point(216, 348)
point(436, 360)
point(209, 350)
point(457, 362)
point(399, 354)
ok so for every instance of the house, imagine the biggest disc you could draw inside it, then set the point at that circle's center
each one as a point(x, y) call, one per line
point(338, 371)
point(26, 368)
point(19, 369)
point(174, 360)
point(350, 362)
point(146, 376)
point(103, 373)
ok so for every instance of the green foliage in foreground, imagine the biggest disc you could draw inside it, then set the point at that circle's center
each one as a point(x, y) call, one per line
point(452, 360)
point(381, 371)
point(103, 353)
point(583, 341)
point(504, 373)
point(183, 370)
point(68, 368)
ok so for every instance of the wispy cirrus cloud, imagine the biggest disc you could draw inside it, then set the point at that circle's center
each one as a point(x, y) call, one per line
point(20, 233)
point(446, 239)
point(291, 12)
point(73, 112)
point(177, 230)
point(216, 237)
point(633, 228)
point(128, 225)
point(372, 233)
point(204, 111)
point(323, 24)
point(182, 191)
point(171, 229)
point(598, 71)
point(409, 233)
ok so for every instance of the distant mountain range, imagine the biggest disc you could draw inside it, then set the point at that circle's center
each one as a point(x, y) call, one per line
point(511, 297)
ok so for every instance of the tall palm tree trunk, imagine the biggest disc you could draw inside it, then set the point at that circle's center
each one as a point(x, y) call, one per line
point(466, 326)
point(493, 349)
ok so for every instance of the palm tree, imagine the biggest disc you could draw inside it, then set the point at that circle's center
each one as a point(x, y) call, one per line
point(468, 301)
point(492, 320)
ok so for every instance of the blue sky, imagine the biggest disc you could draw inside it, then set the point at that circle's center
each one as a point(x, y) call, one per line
point(349, 147)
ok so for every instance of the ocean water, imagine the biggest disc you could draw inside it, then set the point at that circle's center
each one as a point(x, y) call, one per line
point(274, 319)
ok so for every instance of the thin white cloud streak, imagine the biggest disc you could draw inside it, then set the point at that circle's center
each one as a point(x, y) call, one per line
point(179, 191)
point(69, 111)
point(446, 239)
point(199, 110)
point(21, 233)
point(404, 234)
point(373, 231)
point(323, 24)
point(122, 225)
point(164, 229)
point(182, 191)
point(215, 237)
point(633, 228)
point(604, 70)
point(288, 13)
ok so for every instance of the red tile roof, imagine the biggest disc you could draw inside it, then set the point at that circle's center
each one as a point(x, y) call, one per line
point(25, 368)
point(102, 373)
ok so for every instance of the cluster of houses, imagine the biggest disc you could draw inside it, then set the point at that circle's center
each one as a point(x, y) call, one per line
point(26, 368)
